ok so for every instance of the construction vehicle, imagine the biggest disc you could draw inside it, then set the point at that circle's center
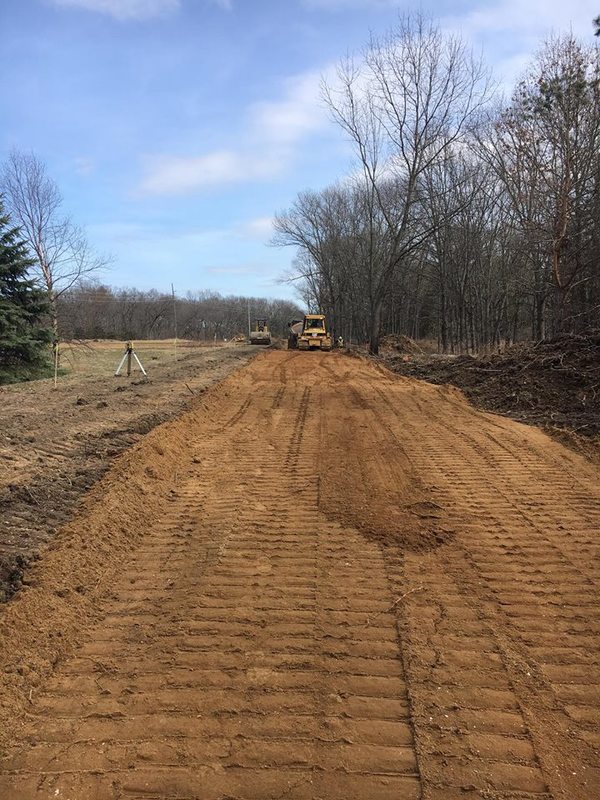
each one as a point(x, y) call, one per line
point(260, 334)
point(310, 334)
point(295, 329)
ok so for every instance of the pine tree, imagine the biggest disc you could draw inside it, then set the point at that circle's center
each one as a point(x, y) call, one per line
point(24, 335)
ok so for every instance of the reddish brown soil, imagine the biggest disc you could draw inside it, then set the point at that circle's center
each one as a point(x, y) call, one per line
point(323, 582)
point(55, 443)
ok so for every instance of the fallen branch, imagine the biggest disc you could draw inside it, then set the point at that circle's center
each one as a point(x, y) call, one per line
point(402, 596)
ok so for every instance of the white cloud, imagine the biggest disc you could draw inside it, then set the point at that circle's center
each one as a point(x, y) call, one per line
point(260, 228)
point(179, 175)
point(124, 9)
point(297, 114)
point(511, 31)
point(535, 17)
point(273, 131)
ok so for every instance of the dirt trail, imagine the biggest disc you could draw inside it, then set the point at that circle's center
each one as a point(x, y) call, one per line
point(329, 583)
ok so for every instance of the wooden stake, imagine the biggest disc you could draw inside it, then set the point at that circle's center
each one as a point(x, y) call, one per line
point(174, 317)
point(56, 364)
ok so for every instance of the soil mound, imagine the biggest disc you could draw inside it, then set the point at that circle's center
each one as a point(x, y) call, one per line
point(367, 481)
point(400, 344)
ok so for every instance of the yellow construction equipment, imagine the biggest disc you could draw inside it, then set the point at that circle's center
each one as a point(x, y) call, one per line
point(310, 334)
point(260, 333)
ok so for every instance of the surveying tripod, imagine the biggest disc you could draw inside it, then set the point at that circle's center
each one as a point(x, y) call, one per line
point(128, 355)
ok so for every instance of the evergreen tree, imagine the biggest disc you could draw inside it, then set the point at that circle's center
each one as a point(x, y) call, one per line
point(24, 335)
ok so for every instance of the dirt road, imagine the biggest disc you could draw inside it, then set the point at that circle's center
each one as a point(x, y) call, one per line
point(323, 582)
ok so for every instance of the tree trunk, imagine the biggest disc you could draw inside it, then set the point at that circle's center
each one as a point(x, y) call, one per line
point(540, 304)
point(374, 327)
point(443, 318)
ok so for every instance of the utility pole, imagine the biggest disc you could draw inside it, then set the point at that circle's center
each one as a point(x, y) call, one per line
point(248, 319)
point(174, 316)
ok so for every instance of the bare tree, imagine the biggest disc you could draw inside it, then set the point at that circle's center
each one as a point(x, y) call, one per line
point(414, 96)
point(545, 148)
point(62, 253)
point(328, 228)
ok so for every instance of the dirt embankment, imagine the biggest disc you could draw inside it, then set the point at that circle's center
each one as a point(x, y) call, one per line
point(56, 443)
point(554, 384)
point(61, 594)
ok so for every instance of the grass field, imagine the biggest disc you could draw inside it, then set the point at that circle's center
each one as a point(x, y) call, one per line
point(102, 357)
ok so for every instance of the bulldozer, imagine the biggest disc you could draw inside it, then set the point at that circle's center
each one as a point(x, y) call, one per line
point(309, 334)
point(260, 334)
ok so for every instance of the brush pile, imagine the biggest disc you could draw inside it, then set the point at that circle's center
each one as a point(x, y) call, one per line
point(553, 383)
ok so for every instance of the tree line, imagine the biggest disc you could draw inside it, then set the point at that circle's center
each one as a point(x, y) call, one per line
point(466, 220)
point(92, 311)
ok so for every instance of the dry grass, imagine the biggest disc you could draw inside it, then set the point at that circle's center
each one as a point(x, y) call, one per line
point(102, 357)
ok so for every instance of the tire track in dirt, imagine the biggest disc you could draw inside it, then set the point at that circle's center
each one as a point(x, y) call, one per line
point(249, 649)
point(522, 565)
point(360, 588)
point(448, 698)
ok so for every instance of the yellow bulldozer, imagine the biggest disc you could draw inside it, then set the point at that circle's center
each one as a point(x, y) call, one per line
point(260, 334)
point(309, 334)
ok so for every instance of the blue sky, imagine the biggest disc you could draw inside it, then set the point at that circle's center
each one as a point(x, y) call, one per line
point(175, 129)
